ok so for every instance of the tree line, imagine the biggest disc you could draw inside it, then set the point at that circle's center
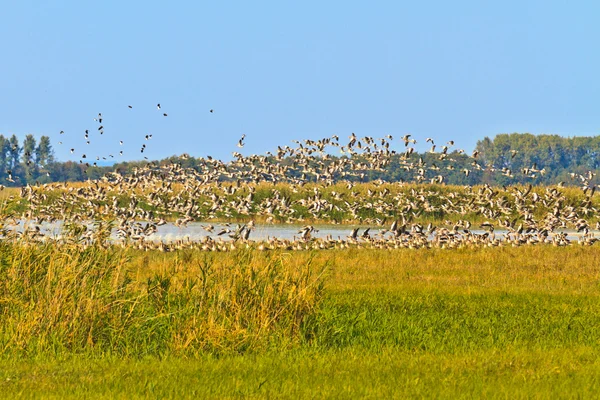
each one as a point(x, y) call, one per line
point(559, 157)
point(502, 160)
point(24, 163)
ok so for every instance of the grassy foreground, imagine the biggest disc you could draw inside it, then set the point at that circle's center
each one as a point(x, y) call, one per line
point(347, 373)
point(497, 322)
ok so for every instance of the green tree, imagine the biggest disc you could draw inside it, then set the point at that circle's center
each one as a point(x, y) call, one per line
point(3, 157)
point(14, 152)
point(43, 152)
point(30, 169)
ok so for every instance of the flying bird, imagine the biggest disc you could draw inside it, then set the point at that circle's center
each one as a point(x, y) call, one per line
point(241, 141)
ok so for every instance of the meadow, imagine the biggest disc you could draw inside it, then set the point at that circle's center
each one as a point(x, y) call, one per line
point(121, 323)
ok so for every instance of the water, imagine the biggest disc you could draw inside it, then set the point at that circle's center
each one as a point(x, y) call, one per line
point(195, 231)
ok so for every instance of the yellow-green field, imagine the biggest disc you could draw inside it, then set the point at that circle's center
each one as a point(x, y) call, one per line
point(489, 322)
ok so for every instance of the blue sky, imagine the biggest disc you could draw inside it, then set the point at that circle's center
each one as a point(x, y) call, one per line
point(278, 71)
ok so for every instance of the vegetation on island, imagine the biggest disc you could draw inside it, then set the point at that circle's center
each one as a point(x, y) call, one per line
point(502, 160)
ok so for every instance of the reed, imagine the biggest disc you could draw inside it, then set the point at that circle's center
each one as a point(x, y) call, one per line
point(71, 299)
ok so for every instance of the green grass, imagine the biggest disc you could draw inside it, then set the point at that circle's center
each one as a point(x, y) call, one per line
point(492, 322)
point(342, 373)
point(442, 323)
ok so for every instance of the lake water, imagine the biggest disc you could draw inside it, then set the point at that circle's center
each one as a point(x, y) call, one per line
point(195, 231)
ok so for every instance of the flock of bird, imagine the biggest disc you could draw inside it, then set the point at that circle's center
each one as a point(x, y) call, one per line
point(83, 156)
point(304, 184)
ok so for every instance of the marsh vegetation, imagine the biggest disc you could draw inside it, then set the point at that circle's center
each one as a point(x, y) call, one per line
point(488, 322)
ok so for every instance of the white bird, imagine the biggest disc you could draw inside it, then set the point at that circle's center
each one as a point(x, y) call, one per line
point(241, 142)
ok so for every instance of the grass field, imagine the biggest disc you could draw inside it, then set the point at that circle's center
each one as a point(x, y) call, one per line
point(494, 322)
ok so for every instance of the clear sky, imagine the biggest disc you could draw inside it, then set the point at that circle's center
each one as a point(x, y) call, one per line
point(282, 70)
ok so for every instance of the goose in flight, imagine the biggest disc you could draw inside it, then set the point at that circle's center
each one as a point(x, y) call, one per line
point(241, 141)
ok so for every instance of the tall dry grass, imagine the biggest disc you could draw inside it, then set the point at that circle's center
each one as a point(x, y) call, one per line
point(67, 298)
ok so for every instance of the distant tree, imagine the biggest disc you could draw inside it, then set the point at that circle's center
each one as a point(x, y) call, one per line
point(73, 172)
point(3, 157)
point(44, 153)
point(14, 151)
point(30, 169)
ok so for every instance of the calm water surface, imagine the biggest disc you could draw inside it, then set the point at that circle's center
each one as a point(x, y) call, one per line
point(195, 231)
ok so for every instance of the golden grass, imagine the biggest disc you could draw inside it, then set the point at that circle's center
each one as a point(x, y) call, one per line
point(545, 268)
point(67, 298)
